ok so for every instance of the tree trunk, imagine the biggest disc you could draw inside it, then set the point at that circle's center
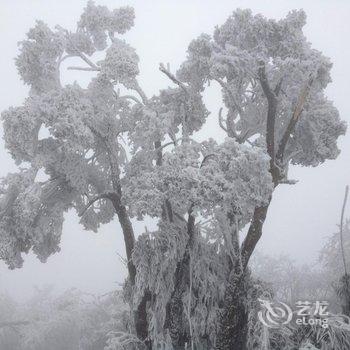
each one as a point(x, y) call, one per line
point(141, 322)
point(233, 329)
point(175, 319)
point(129, 239)
point(140, 314)
point(254, 233)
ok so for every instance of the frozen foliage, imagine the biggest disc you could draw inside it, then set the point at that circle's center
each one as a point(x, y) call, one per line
point(70, 321)
point(39, 54)
point(110, 151)
point(291, 282)
point(63, 130)
point(203, 177)
point(233, 58)
point(331, 254)
point(97, 21)
point(121, 63)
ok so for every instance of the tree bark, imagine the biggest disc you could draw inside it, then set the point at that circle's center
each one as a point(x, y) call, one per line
point(233, 330)
point(175, 309)
point(141, 321)
point(140, 314)
point(254, 233)
point(129, 240)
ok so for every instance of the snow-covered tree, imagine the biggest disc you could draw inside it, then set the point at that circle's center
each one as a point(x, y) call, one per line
point(110, 151)
point(273, 84)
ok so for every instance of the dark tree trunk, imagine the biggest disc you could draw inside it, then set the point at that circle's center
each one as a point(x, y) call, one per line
point(129, 240)
point(175, 320)
point(141, 322)
point(233, 320)
point(233, 329)
point(140, 315)
point(254, 233)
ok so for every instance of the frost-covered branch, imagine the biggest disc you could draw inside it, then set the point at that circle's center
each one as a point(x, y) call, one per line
point(141, 93)
point(221, 120)
point(95, 199)
point(230, 93)
point(271, 112)
point(130, 97)
point(294, 119)
point(173, 78)
point(88, 69)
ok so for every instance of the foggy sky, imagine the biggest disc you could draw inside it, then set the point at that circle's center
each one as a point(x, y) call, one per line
point(300, 217)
